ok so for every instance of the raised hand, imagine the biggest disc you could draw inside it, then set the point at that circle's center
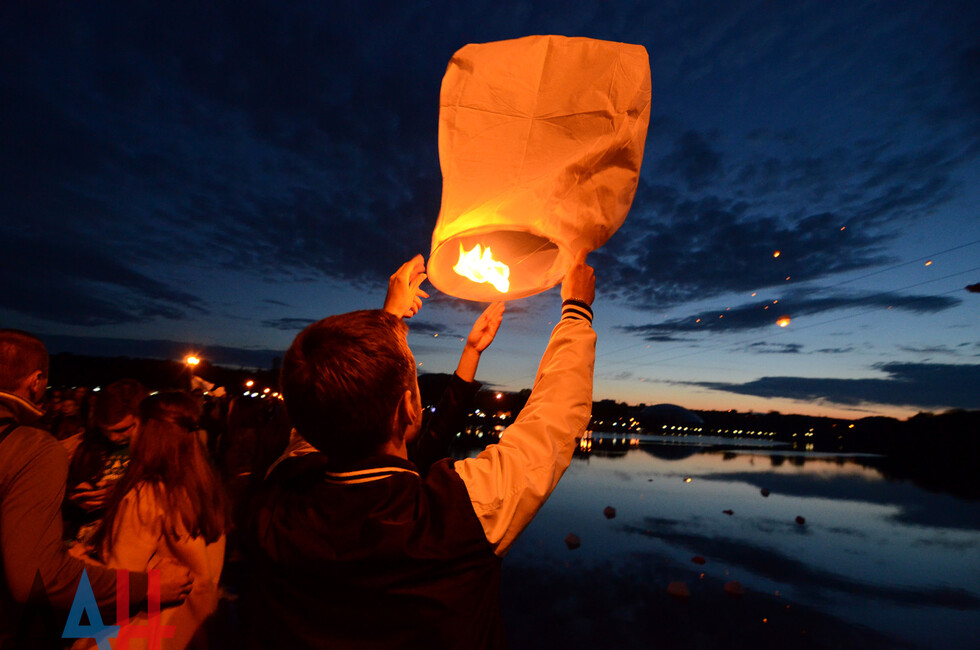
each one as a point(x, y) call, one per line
point(485, 328)
point(405, 295)
point(482, 335)
point(579, 282)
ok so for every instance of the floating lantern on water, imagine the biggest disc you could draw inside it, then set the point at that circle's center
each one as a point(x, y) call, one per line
point(540, 145)
point(679, 590)
point(734, 589)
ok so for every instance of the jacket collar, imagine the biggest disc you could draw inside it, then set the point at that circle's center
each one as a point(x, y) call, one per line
point(365, 470)
point(15, 406)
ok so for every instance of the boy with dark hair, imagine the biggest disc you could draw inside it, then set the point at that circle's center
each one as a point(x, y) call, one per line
point(355, 546)
point(354, 367)
point(101, 458)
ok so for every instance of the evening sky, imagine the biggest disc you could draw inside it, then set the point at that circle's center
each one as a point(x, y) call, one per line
point(214, 176)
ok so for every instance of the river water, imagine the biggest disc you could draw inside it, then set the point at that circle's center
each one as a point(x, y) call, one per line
point(834, 556)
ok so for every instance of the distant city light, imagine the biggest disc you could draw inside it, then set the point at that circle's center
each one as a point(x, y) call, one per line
point(249, 383)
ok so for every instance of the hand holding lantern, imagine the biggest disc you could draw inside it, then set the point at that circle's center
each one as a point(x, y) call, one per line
point(579, 282)
point(405, 295)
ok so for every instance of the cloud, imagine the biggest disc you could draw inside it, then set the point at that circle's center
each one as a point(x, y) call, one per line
point(693, 159)
point(298, 142)
point(63, 283)
point(827, 211)
point(936, 349)
point(846, 350)
point(288, 324)
point(261, 150)
point(764, 347)
point(761, 314)
point(429, 329)
point(923, 385)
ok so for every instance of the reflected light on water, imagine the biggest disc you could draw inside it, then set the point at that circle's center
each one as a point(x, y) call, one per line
point(881, 556)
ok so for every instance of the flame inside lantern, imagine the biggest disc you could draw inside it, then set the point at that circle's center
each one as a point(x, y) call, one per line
point(481, 267)
point(783, 321)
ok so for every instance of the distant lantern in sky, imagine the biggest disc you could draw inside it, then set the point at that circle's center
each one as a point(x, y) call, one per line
point(783, 321)
point(540, 144)
point(929, 263)
point(776, 254)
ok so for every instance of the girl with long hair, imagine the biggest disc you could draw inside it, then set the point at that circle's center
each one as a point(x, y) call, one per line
point(170, 505)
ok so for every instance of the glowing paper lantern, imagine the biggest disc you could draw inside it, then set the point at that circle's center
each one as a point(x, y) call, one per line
point(783, 321)
point(540, 144)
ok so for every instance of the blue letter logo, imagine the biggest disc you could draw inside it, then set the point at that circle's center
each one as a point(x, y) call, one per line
point(85, 602)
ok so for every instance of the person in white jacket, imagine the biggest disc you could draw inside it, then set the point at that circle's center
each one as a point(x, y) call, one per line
point(355, 546)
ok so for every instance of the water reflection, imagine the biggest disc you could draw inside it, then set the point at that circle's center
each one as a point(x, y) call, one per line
point(877, 563)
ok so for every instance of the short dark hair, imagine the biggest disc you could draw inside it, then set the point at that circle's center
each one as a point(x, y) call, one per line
point(342, 379)
point(116, 401)
point(21, 354)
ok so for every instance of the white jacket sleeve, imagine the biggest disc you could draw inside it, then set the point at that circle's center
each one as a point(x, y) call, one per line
point(510, 481)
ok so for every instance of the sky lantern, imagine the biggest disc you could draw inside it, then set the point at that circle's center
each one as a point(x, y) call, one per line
point(540, 144)
point(783, 321)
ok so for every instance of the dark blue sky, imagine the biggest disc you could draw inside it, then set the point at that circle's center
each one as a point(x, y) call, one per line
point(213, 176)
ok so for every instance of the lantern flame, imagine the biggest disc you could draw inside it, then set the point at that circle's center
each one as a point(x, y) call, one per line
point(783, 321)
point(481, 267)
